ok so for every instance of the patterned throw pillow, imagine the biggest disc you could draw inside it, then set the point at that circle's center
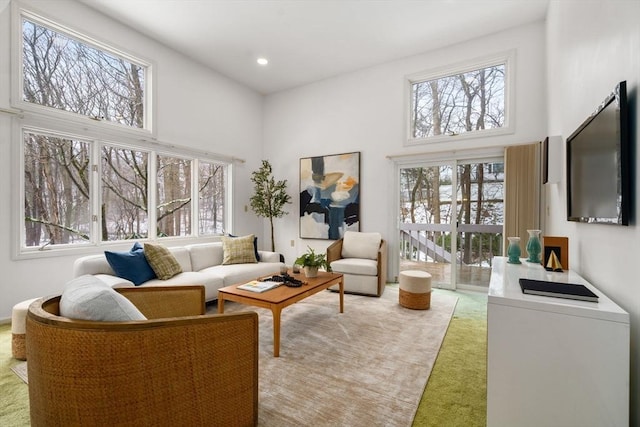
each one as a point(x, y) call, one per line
point(255, 246)
point(164, 264)
point(238, 250)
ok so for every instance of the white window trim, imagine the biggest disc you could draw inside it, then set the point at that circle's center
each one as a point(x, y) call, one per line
point(27, 108)
point(507, 58)
point(153, 148)
point(40, 119)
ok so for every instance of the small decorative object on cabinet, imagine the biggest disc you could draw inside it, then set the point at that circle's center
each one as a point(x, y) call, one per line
point(513, 251)
point(555, 253)
point(533, 246)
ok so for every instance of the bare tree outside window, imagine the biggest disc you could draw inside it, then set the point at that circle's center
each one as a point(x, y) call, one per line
point(174, 196)
point(459, 103)
point(211, 178)
point(124, 205)
point(56, 190)
point(66, 74)
point(62, 180)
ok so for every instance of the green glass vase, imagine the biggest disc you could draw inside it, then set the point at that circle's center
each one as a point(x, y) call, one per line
point(513, 250)
point(533, 246)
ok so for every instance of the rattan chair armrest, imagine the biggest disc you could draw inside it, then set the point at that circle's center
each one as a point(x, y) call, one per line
point(334, 251)
point(199, 370)
point(157, 302)
point(382, 266)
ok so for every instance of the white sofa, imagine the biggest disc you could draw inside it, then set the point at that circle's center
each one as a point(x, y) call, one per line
point(201, 265)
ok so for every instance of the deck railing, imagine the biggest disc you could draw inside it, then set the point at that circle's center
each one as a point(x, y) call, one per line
point(477, 243)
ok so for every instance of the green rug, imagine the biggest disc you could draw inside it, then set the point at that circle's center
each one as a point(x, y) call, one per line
point(14, 400)
point(455, 394)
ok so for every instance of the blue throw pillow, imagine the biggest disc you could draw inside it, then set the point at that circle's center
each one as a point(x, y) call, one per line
point(131, 265)
point(255, 246)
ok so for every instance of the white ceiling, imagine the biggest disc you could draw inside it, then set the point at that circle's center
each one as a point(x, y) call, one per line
point(310, 40)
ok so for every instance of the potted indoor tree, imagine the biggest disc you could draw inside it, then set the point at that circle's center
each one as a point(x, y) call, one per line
point(269, 196)
point(311, 261)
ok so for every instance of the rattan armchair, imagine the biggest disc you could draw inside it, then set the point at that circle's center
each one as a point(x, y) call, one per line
point(179, 368)
point(363, 275)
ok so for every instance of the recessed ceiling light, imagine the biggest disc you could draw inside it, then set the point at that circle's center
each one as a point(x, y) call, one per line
point(262, 61)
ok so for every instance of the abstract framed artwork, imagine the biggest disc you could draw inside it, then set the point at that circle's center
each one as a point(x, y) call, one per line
point(329, 195)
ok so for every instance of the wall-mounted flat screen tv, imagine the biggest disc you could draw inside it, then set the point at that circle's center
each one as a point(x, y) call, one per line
point(598, 164)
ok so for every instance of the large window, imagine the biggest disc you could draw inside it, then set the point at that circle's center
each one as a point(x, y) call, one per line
point(463, 102)
point(69, 74)
point(62, 182)
point(87, 174)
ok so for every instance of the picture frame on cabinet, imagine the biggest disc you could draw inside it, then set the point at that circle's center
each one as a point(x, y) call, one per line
point(555, 253)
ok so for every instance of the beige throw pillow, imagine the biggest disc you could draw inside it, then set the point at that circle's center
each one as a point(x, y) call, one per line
point(238, 250)
point(163, 263)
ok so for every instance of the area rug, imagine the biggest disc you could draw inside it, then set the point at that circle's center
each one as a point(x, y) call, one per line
point(365, 367)
point(21, 371)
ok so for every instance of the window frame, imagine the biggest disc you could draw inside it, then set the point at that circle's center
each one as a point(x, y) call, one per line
point(57, 123)
point(17, 82)
point(508, 59)
point(95, 146)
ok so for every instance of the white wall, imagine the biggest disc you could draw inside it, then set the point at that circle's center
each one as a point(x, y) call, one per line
point(364, 111)
point(589, 50)
point(196, 108)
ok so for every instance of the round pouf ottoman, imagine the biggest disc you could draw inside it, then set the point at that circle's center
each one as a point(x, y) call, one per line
point(18, 329)
point(415, 289)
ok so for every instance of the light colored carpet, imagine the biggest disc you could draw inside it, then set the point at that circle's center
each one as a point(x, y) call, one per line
point(365, 367)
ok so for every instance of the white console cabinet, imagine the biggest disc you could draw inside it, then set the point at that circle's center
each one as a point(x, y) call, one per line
point(554, 361)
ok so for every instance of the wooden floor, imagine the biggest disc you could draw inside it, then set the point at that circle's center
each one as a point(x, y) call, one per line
point(441, 273)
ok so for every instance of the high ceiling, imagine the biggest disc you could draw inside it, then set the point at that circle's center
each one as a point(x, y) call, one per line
point(311, 40)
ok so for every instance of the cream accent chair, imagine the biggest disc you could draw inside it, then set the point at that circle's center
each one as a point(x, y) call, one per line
point(362, 259)
point(181, 367)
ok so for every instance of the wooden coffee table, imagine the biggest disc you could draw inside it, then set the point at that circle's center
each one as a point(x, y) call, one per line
point(281, 297)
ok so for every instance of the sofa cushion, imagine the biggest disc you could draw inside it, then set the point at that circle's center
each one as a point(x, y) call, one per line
point(183, 256)
point(88, 298)
point(210, 280)
point(360, 266)
point(164, 264)
point(205, 255)
point(131, 265)
point(356, 244)
point(238, 250)
point(236, 273)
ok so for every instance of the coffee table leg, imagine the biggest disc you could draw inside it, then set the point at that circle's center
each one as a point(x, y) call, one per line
point(276, 330)
point(220, 304)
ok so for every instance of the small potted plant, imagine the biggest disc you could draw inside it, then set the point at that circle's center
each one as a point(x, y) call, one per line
point(311, 261)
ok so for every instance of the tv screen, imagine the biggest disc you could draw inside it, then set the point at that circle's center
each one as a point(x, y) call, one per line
point(598, 164)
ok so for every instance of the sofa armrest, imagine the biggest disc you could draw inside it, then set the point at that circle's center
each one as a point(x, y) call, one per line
point(158, 302)
point(114, 281)
point(268, 256)
point(334, 251)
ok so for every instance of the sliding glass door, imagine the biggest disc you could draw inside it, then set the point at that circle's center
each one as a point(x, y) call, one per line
point(451, 217)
